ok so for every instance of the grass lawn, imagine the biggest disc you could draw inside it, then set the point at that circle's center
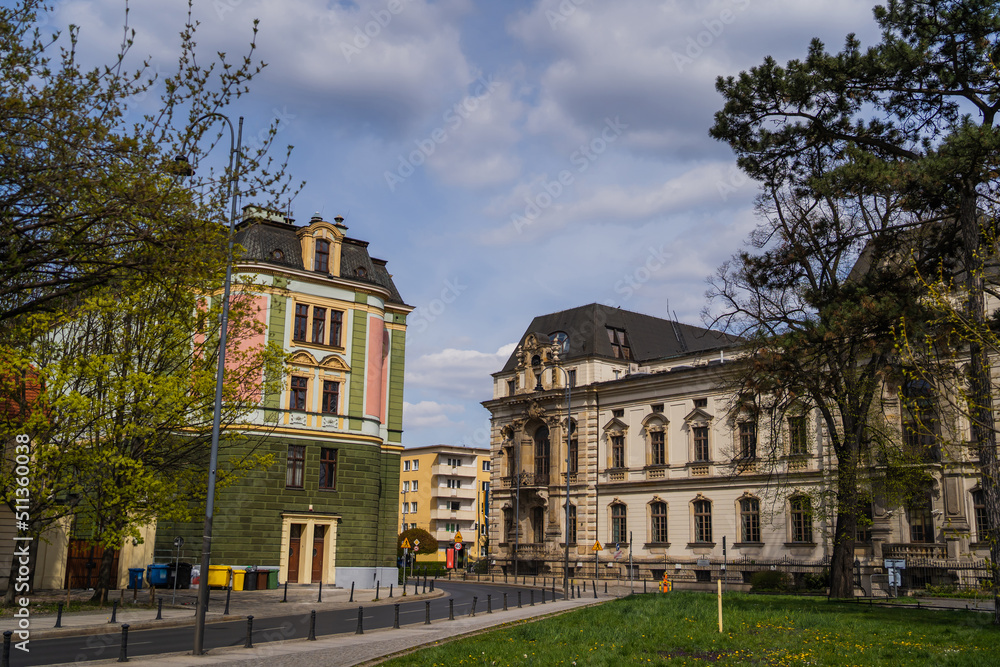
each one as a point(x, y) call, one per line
point(681, 628)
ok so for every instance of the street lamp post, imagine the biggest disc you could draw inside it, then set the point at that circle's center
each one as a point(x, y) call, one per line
point(235, 145)
point(569, 436)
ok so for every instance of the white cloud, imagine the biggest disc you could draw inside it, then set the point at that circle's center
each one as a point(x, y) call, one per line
point(430, 414)
point(460, 373)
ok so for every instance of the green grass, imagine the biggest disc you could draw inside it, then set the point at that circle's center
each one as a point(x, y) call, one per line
point(681, 628)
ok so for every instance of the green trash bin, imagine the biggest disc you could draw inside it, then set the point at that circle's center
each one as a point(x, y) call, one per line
point(272, 577)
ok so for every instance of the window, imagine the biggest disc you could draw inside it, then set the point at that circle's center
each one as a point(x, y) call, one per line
point(702, 521)
point(619, 524)
point(301, 320)
point(921, 521)
point(748, 440)
point(322, 259)
point(454, 462)
point(297, 399)
point(486, 466)
point(406, 487)
point(619, 343)
point(319, 325)
point(863, 527)
point(455, 505)
point(574, 451)
point(798, 444)
point(619, 413)
point(406, 506)
point(508, 524)
point(510, 387)
point(658, 454)
point(701, 402)
point(700, 443)
point(413, 508)
point(801, 509)
point(750, 520)
point(542, 451)
point(416, 464)
point(331, 396)
point(295, 466)
point(406, 466)
point(572, 377)
point(618, 451)
point(919, 421)
point(538, 524)
point(979, 514)
point(658, 522)
point(454, 483)
point(656, 407)
point(416, 484)
point(572, 524)
point(336, 326)
point(328, 469)
point(485, 487)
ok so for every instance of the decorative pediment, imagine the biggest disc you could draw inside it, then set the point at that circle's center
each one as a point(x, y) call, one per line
point(656, 499)
point(616, 426)
point(698, 497)
point(333, 362)
point(655, 422)
point(303, 358)
point(698, 415)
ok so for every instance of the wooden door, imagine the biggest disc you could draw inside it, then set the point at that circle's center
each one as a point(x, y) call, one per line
point(319, 533)
point(293, 552)
point(83, 564)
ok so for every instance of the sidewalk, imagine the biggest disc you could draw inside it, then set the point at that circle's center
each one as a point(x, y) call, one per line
point(261, 604)
point(344, 650)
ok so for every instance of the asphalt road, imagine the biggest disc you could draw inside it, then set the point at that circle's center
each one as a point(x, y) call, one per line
point(274, 628)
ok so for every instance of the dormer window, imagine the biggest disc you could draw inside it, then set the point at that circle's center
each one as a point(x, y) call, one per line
point(619, 343)
point(361, 272)
point(277, 255)
point(321, 261)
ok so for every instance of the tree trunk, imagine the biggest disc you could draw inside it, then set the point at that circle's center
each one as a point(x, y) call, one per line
point(842, 561)
point(104, 576)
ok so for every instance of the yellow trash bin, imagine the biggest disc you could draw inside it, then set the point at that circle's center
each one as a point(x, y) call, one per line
point(238, 579)
point(218, 575)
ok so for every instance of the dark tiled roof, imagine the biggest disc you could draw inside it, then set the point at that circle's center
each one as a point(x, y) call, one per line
point(650, 338)
point(260, 238)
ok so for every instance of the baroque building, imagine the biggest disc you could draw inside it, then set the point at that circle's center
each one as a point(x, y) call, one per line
point(667, 471)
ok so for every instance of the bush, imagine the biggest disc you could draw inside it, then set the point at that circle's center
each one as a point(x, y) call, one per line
point(769, 580)
point(817, 581)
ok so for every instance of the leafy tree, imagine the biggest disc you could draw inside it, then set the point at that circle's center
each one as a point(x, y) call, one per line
point(428, 543)
point(915, 112)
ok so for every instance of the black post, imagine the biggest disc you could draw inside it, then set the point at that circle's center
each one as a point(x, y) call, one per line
point(123, 654)
point(571, 591)
point(395, 620)
point(489, 604)
point(432, 584)
point(378, 586)
point(114, 612)
point(543, 596)
point(427, 612)
point(6, 647)
point(644, 586)
point(352, 591)
point(605, 588)
point(519, 599)
point(416, 586)
point(312, 626)
point(505, 602)
point(553, 589)
point(505, 577)
point(159, 609)
point(285, 598)
point(361, 627)
point(59, 615)
point(390, 590)
point(473, 612)
point(451, 609)
point(425, 583)
point(249, 642)
point(578, 590)
point(595, 589)
point(229, 593)
point(320, 598)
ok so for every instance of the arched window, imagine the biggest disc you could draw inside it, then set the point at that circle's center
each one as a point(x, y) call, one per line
point(619, 523)
point(920, 425)
point(322, 256)
point(658, 521)
point(542, 451)
point(800, 508)
point(921, 520)
point(574, 450)
point(702, 520)
point(750, 520)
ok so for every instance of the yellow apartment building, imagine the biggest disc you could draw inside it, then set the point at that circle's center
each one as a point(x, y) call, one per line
point(445, 489)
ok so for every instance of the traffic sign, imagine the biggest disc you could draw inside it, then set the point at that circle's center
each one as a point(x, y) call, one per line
point(597, 546)
point(458, 537)
point(405, 544)
point(458, 546)
point(416, 544)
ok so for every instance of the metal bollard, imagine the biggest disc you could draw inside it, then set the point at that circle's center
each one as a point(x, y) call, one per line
point(114, 612)
point(123, 654)
point(249, 641)
point(416, 586)
point(159, 609)
point(352, 592)
point(6, 647)
point(595, 589)
point(59, 615)
point(519, 599)
point(543, 596)
point(643, 585)
point(578, 591)
point(427, 612)
point(320, 598)
point(390, 590)
point(489, 604)
point(473, 612)
point(361, 628)
point(605, 588)
point(285, 597)
point(229, 593)
point(425, 583)
point(505, 602)
point(378, 587)
point(432, 585)
point(571, 591)
point(451, 609)
point(395, 619)
point(312, 626)
point(553, 589)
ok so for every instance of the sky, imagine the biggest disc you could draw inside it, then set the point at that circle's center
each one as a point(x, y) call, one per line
point(508, 158)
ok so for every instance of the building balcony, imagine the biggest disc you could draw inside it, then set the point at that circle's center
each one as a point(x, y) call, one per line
point(442, 514)
point(464, 493)
point(527, 479)
point(453, 471)
point(529, 549)
point(910, 550)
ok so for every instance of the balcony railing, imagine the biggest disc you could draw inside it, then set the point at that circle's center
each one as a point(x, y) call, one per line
point(931, 551)
point(530, 549)
point(527, 479)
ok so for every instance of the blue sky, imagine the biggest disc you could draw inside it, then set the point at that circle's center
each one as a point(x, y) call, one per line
point(508, 159)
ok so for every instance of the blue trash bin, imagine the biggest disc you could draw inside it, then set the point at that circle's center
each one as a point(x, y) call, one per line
point(135, 577)
point(156, 574)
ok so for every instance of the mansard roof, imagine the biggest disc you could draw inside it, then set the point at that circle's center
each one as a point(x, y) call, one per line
point(650, 338)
